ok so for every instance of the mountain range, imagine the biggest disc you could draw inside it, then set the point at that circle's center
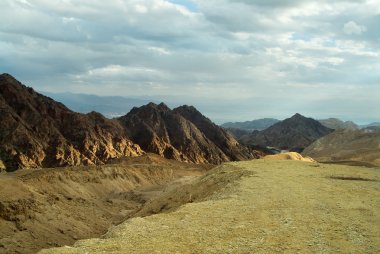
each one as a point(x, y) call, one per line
point(37, 131)
point(335, 123)
point(109, 106)
point(258, 124)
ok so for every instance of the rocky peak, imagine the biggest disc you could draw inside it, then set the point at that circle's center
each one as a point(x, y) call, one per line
point(183, 134)
point(37, 131)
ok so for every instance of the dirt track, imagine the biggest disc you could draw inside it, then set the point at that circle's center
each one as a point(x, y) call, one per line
point(259, 207)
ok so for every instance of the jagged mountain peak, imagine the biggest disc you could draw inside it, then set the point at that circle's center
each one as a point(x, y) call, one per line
point(37, 131)
point(182, 133)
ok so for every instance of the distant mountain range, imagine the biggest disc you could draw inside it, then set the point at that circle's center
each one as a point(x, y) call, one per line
point(292, 134)
point(37, 131)
point(259, 124)
point(109, 106)
point(335, 123)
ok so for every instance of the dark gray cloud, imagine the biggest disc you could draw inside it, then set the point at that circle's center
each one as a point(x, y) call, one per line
point(258, 58)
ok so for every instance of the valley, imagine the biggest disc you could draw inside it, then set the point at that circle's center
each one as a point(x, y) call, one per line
point(55, 207)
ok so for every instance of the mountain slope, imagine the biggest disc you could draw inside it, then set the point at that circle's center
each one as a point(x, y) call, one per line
point(37, 131)
point(183, 134)
point(258, 124)
point(294, 133)
point(347, 146)
point(335, 123)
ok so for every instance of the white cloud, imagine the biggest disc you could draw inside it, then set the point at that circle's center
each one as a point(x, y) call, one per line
point(352, 28)
point(197, 51)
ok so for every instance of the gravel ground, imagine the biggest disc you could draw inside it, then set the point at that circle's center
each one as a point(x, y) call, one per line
point(271, 207)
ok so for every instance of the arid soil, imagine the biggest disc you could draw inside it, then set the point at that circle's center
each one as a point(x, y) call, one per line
point(261, 206)
point(55, 207)
point(289, 156)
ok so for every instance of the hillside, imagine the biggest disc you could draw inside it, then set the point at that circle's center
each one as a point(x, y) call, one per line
point(258, 124)
point(182, 134)
point(57, 206)
point(347, 146)
point(293, 134)
point(37, 131)
point(335, 123)
point(255, 207)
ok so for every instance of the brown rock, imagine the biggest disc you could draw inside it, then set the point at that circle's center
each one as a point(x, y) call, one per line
point(37, 131)
point(183, 134)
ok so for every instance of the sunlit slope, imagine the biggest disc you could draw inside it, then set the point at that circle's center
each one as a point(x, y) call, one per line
point(256, 207)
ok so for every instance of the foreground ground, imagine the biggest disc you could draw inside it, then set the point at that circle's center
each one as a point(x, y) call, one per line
point(56, 207)
point(258, 206)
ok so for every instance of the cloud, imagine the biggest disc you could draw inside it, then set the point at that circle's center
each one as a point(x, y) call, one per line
point(226, 55)
point(353, 28)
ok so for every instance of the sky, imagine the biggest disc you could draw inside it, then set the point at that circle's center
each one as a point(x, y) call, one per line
point(234, 60)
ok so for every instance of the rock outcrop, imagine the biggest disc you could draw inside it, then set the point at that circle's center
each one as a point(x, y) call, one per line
point(292, 134)
point(37, 131)
point(183, 134)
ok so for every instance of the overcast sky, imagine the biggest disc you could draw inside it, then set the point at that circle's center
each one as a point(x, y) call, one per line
point(233, 59)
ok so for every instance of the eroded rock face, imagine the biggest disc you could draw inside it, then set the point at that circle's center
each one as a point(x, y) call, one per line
point(293, 134)
point(183, 134)
point(37, 131)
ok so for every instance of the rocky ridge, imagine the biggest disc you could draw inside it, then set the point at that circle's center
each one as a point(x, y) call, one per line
point(37, 131)
point(182, 134)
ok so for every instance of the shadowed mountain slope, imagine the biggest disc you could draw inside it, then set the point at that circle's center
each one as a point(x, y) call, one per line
point(37, 131)
point(183, 134)
point(294, 133)
point(358, 147)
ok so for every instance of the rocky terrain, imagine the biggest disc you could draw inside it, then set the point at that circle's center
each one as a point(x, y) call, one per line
point(358, 147)
point(56, 207)
point(37, 131)
point(182, 134)
point(335, 123)
point(293, 134)
point(260, 206)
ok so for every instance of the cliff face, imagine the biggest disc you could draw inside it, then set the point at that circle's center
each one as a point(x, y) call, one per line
point(37, 131)
point(294, 134)
point(183, 134)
